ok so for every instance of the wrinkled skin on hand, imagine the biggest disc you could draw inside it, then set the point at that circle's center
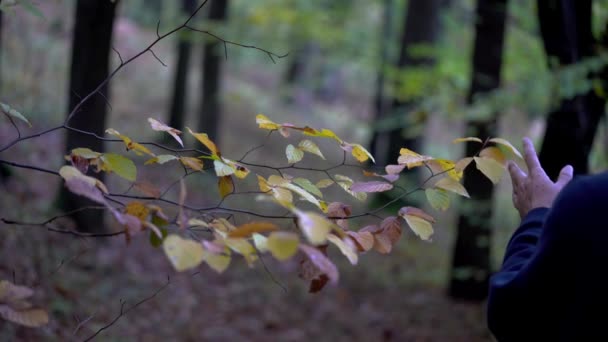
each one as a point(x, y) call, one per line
point(535, 189)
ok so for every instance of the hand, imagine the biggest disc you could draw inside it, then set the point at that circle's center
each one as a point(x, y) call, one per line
point(535, 190)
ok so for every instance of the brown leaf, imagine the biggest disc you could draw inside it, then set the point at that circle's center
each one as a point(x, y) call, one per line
point(321, 261)
point(382, 243)
point(364, 241)
point(338, 209)
point(30, 318)
point(416, 212)
point(318, 284)
point(374, 186)
point(391, 227)
point(247, 229)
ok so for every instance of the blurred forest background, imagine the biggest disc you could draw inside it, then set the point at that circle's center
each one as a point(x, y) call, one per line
point(383, 73)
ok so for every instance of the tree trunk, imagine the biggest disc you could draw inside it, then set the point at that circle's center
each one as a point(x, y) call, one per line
point(421, 26)
point(211, 82)
point(471, 262)
point(90, 62)
point(177, 112)
point(380, 141)
point(566, 31)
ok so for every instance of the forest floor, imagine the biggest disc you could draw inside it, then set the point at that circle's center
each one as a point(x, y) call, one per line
point(399, 297)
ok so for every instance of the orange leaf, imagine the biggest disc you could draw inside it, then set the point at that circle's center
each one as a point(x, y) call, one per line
point(247, 229)
point(225, 185)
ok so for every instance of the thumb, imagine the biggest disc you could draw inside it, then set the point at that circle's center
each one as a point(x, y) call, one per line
point(565, 176)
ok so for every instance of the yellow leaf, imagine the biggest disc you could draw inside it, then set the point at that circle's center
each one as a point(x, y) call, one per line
point(440, 166)
point(282, 245)
point(275, 180)
point(161, 159)
point(222, 225)
point(438, 198)
point(204, 139)
point(263, 184)
point(346, 247)
point(283, 196)
point(507, 144)
point(242, 247)
point(183, 254)
point(450, 184)
point(260, 242)
point(361, 154)
point(266, 123)
point(198, 223)
point(310, 147)
point(324, 133)
point(459, 140)
point(419, 226)
point(307, 196)
point(411, 159)
point(138, 210)
point(314, 226)
point(324, 183)
point(248, 229)
point(490, 168)
point(161, 127)
point(138, 148)
point(294, 154)
point(192, 163)
point(225, 186)
point(494, 153)
point(218, 262)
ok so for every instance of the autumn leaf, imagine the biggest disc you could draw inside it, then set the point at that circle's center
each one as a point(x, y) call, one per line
point(266, 123)
point(418, 221)
point(82, 185)
point(32, 318)
point(324, 183)
point(391, 227)
point(161, 159)
point(260, 242)
point(147, 188)
point(308, 186)
point(450, 184)
point(506, 144)
point(218, 262)
point(247, 229)
point(282, 245)
point(138, 148)
point(314, 226)
point(346, 247)
point(345, 183)
point(462, 164)
point(183, 254)
point(490, 168)
point(203, 138)
point(363, 240)
point(339, 210)
point(310, 147)
point(225, 186)
point(137, 209)
point(438, 199)
point(394, 169)
point(161, 127)
point(473, 139)
point(294, 154)
point(411, 159)
point(441, 166)
point(242, 247)
point(494, 153)
point(374, 186)
point(12, 112)
point(86, 153)
point(192, 163)
point(321, 262)
point(122, 166)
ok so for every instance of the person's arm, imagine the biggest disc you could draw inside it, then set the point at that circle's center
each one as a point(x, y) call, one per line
point(515, 289)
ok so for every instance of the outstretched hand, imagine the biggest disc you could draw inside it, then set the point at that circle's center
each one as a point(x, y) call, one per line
point(535, 189)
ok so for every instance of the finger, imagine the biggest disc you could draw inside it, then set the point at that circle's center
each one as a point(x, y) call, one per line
point(565, 176)
point(517, 175)
point(530, 156)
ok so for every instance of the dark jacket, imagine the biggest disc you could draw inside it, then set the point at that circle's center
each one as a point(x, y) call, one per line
point(553, 284)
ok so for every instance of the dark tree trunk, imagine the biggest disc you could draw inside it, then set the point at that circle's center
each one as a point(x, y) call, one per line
point(90, 62)
point(421, 26)
point(566, 31)
point(380, 141)
point(177, 112)
point(471, 262)
point(211, 82)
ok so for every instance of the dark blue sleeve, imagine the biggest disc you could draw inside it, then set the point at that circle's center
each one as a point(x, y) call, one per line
point(539, 263)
